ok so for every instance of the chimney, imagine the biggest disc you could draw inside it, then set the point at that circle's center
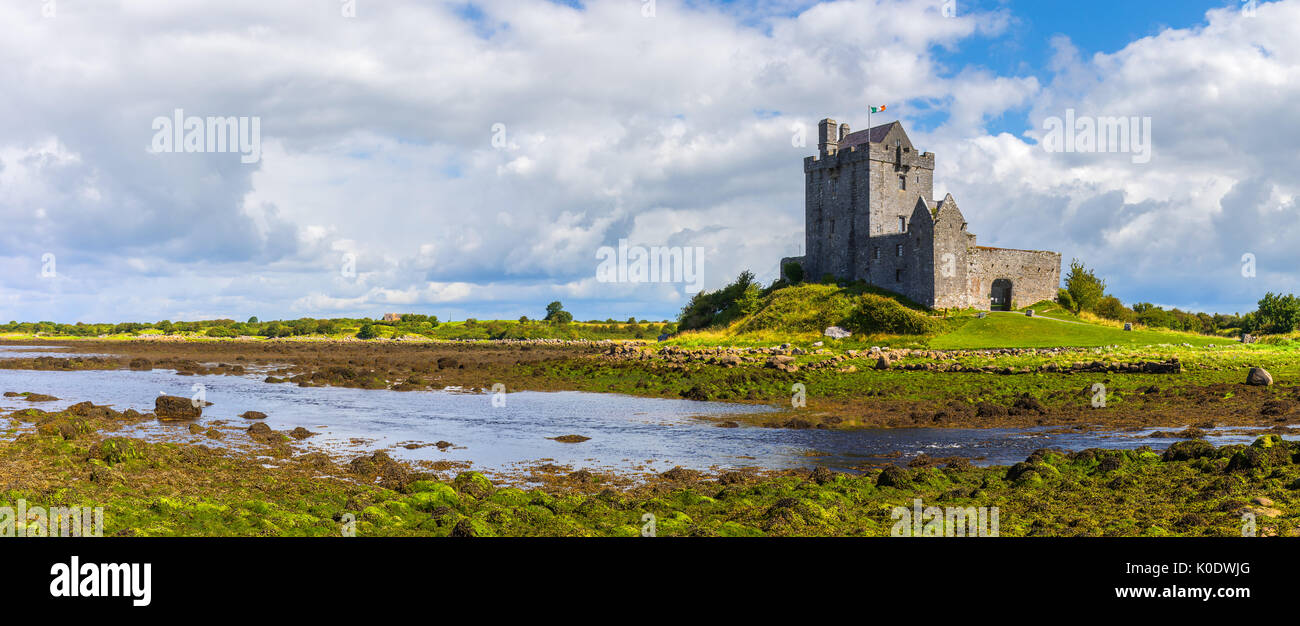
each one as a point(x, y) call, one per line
point(827, 141)
point(844, 132)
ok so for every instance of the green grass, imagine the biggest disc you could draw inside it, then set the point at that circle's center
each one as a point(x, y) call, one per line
point(1015, 330)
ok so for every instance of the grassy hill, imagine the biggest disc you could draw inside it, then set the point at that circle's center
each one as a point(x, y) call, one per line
point(798, 315)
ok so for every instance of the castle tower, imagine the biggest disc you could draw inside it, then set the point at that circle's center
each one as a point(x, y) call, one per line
point(861, 186)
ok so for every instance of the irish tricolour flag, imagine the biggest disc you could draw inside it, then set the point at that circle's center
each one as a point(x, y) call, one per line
point(878, 109)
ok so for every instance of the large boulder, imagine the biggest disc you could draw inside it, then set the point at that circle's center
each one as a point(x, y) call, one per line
point(1259, 376)
point(835, 332)
point(176, 408)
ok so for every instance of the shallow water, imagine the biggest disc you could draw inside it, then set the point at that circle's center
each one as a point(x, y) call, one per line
point(626, 432)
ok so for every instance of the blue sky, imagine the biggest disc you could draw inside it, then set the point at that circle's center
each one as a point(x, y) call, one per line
point(380, 147)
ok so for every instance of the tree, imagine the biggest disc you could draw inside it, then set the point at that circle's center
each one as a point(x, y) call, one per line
point(555, 313)
point(1084, 287)
point(1278, 313)
point(367, 332)
point(710, 308)
point(252, 320)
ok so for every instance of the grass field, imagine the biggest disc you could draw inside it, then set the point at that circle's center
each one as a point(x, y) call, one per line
point(1016, 330)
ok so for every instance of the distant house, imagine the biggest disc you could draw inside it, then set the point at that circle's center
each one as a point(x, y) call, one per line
point(392, 317)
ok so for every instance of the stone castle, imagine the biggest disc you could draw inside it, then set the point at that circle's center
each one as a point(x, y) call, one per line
point(869, 214)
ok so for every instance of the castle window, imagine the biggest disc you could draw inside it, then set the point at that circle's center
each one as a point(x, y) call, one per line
point(902, 224)
point(900, 249)
point(902, 183)
point(898, 276)
point(832, 227)
point(876, 252)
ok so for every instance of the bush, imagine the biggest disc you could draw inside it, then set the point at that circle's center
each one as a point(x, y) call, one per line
point(367, 332)
point(1111, 308)
point(1064, 299)
point(792, 272)
point(878, 314)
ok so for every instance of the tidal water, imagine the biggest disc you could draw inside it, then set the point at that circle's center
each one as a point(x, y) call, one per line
point(627, 433)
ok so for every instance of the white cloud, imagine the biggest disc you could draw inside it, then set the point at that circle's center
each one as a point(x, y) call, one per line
point(673, 130)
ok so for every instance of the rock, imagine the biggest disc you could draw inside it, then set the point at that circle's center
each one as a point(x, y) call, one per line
point(253, 415)
point(260, 430)
point(835, 332)
point(821, 476)
point(882, 363)
point(1262, 501)
point(176, 408)
point(300, 433)
point(1188, 450)
point(463, 528)
point(891, 476)
point(140, 363)
point(195, 429)
point(39, 397)
point(783, 363)
point(1259, 376)
point(473, 484)
point(569, 438)
point(389, 473)
point(680, 473)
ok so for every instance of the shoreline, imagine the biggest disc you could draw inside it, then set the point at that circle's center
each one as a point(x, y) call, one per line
point(1001, 388)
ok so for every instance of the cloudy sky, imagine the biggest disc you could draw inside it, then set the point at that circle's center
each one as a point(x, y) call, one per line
point(469, 159)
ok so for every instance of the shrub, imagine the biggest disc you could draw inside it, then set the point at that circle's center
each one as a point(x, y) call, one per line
point(1064, 299)
point(792, 272)
point(367, 332)
point(1111, 308)
point(878, 314)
